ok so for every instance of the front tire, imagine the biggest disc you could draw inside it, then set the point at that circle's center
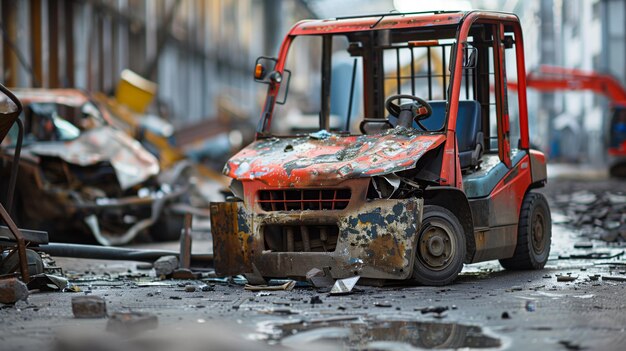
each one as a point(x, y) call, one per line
point(440, 248)
point(534, 233)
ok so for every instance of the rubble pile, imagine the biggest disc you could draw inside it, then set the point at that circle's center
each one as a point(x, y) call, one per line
point(599, 214)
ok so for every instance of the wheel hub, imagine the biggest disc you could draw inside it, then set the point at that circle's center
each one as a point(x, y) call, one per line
point(436, 246)
point(538, 231)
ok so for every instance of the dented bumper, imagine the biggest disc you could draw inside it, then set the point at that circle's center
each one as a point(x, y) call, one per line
point(376, 239)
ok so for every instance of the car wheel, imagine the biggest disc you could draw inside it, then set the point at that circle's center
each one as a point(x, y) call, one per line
point(440, 248)
point(534, 234)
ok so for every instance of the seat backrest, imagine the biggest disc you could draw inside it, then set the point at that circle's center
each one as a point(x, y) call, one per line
point(468, 125)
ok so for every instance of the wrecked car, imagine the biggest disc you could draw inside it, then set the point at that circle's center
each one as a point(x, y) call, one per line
point(79, 174)
point(438, 171)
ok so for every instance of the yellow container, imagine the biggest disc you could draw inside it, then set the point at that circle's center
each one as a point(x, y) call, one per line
point(135, 91)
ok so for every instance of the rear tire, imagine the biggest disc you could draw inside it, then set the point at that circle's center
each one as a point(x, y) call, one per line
point(534, 234)
point(440, 247)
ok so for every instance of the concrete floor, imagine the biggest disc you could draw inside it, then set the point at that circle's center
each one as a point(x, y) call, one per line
point(487, 307)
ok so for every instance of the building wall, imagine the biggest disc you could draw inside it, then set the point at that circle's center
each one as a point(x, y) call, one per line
point(201, 53)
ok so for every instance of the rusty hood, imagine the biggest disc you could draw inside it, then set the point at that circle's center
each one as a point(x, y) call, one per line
point(314, 160)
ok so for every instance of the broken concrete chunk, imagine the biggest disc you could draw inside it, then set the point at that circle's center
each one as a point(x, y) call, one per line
point(12, 290)
point(165, 265)
point(131, 323)
point(89, 307)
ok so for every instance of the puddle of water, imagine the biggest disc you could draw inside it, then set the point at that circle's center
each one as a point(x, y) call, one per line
point(377, 334)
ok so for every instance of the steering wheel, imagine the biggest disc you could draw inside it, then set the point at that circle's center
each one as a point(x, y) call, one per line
point(417, 111)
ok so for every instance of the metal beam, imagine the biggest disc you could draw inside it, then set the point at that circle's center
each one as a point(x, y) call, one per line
point(9, 56)
point(69, 42)
point(53, 43)
point(36, 42)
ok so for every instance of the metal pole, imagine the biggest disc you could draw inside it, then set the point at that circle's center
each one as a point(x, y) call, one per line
point(117, 254)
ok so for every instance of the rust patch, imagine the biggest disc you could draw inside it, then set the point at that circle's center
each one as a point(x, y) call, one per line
point(231, 239)
point(386, 251)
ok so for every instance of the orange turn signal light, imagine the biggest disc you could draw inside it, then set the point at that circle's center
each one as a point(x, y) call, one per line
point(258, 71)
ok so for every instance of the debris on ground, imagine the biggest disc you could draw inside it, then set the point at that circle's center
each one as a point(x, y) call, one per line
point(315, 299)
point(614, 278)
point(583, 245)
point(319, 279)
point(601, 255)
point(344, 286)
point(566, 278)
point(184, 273)
point(433, 309)
point(89, 306)
point(131, 323)
point(47, 282)
point(505, 315)
point(569, 345)
point(165, 266)
point(384, 304)
point(190, 288)
point(600, 214)
point(288, 286)
point(12, 290)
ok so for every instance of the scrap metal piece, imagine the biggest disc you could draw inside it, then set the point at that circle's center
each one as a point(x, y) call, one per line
point(344, 286)
point(319, 278)
point(288, 286)
point(231, 238)
point(185, 244)
point(132, 163)
point(47, 282)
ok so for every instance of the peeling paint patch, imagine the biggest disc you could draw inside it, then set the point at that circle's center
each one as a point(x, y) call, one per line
point(335, 158)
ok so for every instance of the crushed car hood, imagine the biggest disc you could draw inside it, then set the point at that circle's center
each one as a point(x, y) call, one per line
point(132, 163)
point(306, 161)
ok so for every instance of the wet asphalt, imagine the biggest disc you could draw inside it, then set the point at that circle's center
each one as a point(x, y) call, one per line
point(486, 308)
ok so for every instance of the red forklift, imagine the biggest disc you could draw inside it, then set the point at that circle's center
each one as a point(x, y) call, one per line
point(436, 172)
point(553, 78)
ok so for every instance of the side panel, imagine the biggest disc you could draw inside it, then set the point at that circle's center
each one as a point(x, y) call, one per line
point(496, 217)
point(538, 166)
